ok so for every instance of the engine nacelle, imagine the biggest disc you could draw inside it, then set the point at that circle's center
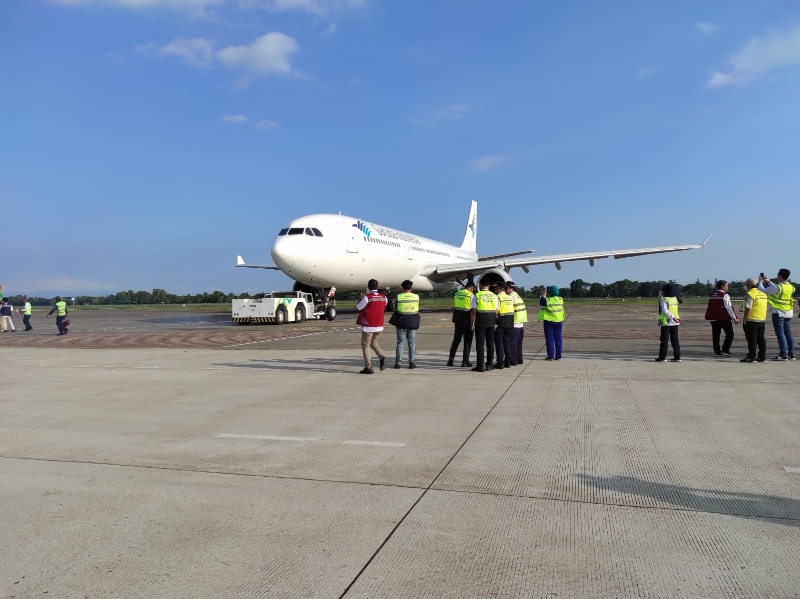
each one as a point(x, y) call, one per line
point(494, 275)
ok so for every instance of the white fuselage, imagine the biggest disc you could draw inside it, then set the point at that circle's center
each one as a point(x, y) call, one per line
point(350, 252)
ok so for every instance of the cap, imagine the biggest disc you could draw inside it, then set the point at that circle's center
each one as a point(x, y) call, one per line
point(510, 284)
point(751, 282)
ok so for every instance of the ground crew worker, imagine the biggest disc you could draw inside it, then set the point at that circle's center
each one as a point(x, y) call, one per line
point(487, 307)
point(505, 322)
point(520, 318)
point(753, 321)
point(406, 319)
point(60, 308)
point(7, 316)
point(370, 316)
point(26, 314)
point(781, 309)
point(669, 320)
point(551, 314)
point(720, 312)
point(463, 317)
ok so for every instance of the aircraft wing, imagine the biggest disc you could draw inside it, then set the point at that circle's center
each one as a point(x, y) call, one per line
point(240, 264)
point(444, 272)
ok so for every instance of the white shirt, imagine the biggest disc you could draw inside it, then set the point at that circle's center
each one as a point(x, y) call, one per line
point(772, 290)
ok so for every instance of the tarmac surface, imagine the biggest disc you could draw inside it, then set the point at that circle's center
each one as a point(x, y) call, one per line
point(173, 454)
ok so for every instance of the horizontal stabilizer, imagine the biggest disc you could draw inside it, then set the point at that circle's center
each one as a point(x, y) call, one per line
point(240, 264)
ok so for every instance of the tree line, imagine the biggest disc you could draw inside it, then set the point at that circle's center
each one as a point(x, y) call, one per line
point(577, 289)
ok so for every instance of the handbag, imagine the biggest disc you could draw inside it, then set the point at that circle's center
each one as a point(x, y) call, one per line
point(396, 320)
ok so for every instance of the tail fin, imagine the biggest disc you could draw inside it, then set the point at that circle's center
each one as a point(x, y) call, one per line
point(470, 243)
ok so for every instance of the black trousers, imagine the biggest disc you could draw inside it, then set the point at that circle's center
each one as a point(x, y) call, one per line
point(754, 333)
point(26, 320)
point(465, 332)
point(517, 335)
point(62, 330)
point(717, 326)
point(669, 335)
point(484, 338)
point(502, 345)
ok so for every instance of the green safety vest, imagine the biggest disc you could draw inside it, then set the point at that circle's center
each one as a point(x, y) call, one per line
point(553, 311)
point(672, 306)
point(486, 301)
point(520, 311)
point(408, 303)
point(61, 308)
point(506, 303)
point(783, 299)
point(462, 300)
point(27, 309)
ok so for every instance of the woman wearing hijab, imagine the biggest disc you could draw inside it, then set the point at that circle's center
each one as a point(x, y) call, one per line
point(552, 315)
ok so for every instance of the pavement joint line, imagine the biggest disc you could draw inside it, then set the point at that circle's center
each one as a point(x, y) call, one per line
point(282, 438)
point(413, 487)
point(792, 470)
point(288, 337)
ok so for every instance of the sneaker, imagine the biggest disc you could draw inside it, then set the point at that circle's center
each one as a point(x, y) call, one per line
point(383, 363)
point(412, 365)
point(478, 369)
point(397, 365)
point(656, 360)
point(747, 360)
point(791, 357)
point(726, 354)
point(466, 364)
point(779, 359)
point(498, 366)
point(450, 362)
point(718, 355)
point(490, 367)
point(764, 360)
point(675, 360)
point(367, 371)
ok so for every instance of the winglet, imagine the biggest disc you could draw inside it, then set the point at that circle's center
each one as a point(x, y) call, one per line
point(706, 241)
point(239, 261)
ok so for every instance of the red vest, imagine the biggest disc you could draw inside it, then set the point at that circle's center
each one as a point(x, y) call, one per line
point(372, 314)
point(716, 307)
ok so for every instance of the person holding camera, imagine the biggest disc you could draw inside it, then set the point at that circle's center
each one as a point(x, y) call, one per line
point(781, 310)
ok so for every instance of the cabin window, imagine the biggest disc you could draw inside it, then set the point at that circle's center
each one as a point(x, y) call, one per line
point(296, 231)
point(283, 232)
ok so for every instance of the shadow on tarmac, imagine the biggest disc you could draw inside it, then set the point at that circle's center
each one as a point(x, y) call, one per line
point(781, 510)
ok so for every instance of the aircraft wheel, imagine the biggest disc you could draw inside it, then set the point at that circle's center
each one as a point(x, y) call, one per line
point(330, 313)
point(280, 315)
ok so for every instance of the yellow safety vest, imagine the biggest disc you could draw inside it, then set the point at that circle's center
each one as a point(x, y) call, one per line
point(486, 301)
point(506, 303)
point(782, 300)
point(758, 311)
point(61, 308)
point(520, 311)
point(27, 309)
point(672, 306)
point(554, 310)
point(408, 303)
point(462, 300)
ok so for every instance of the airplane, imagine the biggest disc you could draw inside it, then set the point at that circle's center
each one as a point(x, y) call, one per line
point(323, 253)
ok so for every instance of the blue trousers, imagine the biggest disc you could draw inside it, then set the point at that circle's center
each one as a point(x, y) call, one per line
point(402, 335)
point(517, 335)
point(783, 329)
point(552, 339)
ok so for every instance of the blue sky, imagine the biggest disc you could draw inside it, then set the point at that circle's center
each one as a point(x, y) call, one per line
point(145, 143)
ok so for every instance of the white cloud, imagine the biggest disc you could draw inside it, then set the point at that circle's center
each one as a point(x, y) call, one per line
point(486, 163)
point(268, 124)
point(236, 119)
point(761, 55)
point(192, 7)
point(645, 72)
point(315, 7)
point(268, 54)
point(707, 28)
point(196, 52)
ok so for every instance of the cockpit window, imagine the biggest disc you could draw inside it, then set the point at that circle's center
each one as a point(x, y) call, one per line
point(295, 231)
point(317, 232)
point(309, 232)
point(283, 232)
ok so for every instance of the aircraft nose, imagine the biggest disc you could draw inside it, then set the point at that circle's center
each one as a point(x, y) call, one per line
point(281, 254)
